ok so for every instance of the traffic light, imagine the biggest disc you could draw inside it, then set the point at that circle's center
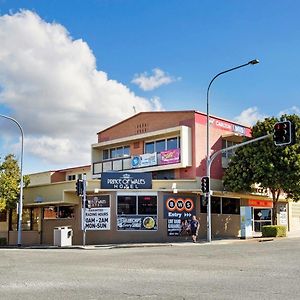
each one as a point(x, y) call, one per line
point(284, 133)
point(205, 184)
point(79, 187)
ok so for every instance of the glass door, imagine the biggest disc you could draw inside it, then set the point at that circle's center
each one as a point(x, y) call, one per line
point(262, 216)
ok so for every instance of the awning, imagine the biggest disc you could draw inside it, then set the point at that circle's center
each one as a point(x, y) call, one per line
point(233, 137)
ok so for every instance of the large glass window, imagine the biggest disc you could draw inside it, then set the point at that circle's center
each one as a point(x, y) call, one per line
point(172, 143)
point(126, 151)
point(71, 177)
point(149, 147)
point(30, 219)
point(230, 206)
point(126, 205)
point(116, 152)
point(3, 215)
point(165, 174)
point(137, 205)
point(226, 144)
point(58, 212)
point(162, 145)
point(147, 205)
point(105, 154)
point(215, 205)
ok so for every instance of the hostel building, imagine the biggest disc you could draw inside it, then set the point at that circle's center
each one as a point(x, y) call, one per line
point(143, 184)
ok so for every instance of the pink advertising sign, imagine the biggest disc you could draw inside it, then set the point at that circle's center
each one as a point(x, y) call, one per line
point(170, 156)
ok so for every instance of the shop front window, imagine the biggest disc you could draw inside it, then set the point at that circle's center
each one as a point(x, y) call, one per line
point(136, 212)
point(147, 205)
point(215, 205)
point(30, 219)
point(3, 215)
point(230, 206)
point(126, 205)
point(58, 212)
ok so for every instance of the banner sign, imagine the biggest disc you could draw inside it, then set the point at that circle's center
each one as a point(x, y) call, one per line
point(170, 156)
point(177, 227)
point(121, 181)
point(179, 209)
point(144, 160)
point(97, 212)
point(225, 125)
point(179, 206)
point(148, 223)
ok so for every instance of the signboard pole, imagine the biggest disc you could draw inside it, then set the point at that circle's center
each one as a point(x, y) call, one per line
point(84, 205)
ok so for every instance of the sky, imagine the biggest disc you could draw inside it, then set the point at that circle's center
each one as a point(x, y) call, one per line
point(71, 68)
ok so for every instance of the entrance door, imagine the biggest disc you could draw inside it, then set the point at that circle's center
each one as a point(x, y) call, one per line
point(262, 216)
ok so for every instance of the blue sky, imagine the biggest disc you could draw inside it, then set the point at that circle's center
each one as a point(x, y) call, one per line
point(147, 55)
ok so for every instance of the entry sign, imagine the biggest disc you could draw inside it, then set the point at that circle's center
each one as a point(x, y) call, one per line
point(179, 207)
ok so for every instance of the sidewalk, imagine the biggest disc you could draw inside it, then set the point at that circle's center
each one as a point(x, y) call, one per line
point(202, 242)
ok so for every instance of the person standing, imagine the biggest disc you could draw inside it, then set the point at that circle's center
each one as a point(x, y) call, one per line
point(194, 226)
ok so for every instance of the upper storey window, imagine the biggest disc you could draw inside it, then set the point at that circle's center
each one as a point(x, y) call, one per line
point(225, 144)
point(116, 152)
point(162, 145)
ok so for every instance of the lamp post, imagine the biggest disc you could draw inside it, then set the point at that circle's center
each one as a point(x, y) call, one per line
point(20, 206)
point(252, 62)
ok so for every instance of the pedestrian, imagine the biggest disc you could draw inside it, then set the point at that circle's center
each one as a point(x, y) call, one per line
point(194, 225)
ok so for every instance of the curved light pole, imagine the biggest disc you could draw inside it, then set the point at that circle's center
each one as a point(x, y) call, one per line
point(208, 196)
point(20, 206)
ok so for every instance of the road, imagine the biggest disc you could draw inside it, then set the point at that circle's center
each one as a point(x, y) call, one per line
point(238, 270)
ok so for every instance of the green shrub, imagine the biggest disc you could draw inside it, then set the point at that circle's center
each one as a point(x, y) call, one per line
point(273, 231)
point(3, 241)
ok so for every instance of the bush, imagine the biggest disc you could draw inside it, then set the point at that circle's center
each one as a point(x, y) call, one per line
point(3, 241)
point(273, 231)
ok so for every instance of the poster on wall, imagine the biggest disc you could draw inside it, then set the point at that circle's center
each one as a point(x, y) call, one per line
point(144, 160)
point(131, 223)
point(170, 156)
point(97, 212)
point(178, 210)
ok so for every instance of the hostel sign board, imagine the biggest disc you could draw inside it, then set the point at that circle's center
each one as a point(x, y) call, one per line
point(123, 181)
point(97, 212)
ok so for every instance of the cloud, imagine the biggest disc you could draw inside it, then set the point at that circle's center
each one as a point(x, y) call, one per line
point(150, 82)
point(53, 87)
point(290, 111)
point(249, 116)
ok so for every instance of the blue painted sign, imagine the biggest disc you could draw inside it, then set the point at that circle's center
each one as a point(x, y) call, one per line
point(128, 180)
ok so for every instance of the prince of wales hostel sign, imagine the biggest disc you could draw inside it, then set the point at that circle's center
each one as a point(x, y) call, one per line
point(123, 181)
point(97, 212)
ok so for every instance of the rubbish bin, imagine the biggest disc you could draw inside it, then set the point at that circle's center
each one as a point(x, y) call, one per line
point(63, 236)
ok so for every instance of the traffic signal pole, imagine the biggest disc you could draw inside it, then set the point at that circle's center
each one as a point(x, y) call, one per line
point(83, 210)
point(210, 161)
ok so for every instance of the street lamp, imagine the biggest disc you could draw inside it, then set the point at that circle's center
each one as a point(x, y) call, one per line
point(20, 206)
point(252, 62)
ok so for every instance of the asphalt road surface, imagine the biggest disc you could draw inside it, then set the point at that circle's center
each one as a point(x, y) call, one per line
point(239, 270)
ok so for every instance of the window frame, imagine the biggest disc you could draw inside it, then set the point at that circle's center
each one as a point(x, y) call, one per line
point(112, 153)
point(57, 207)
point(136, 195)
point(154, 142)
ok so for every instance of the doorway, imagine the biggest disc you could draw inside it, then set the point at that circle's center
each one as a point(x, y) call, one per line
point(261, 217)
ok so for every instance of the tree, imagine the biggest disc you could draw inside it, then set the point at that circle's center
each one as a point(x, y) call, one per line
point(274, 168)
point(10, 182)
